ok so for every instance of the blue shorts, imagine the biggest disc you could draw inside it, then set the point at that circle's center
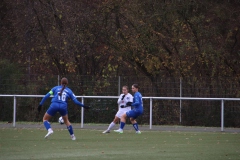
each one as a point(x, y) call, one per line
point(134, 114)
point(57, 107)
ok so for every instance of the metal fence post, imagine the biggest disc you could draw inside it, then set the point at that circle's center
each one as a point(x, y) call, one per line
point(82, 113)
point(222, 115)
point(119, 85)
point(14, 111)
point(180, 116)
point(58, 80)
point(150, 120)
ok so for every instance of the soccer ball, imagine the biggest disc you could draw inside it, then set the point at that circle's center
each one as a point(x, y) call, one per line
point(60, 120)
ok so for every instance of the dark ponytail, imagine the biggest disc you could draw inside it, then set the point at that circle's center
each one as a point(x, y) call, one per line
point(64, 82)
point(60, 93)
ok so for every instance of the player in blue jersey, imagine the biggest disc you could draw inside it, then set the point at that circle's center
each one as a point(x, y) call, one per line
point(60, 94)
point(134, 113)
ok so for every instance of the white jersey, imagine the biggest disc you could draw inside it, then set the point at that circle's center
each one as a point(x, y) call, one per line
point(127, 98)
point(123, 101)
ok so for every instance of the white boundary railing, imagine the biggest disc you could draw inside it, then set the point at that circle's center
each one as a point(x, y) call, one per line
point(115, 97)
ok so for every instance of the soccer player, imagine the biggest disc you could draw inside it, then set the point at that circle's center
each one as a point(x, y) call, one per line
point(61, 94)
point(134, 113)
point(123, 99)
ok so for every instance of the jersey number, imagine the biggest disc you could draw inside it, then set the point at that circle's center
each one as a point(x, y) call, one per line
point(62, 97)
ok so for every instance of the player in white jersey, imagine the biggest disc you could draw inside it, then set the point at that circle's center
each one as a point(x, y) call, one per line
point(123, 99)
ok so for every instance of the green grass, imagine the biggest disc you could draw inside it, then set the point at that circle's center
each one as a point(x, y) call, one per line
point(92, 144)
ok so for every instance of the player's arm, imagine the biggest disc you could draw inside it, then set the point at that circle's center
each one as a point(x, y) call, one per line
point(130, 98)
point(73, 97)
point(119, 99)
point(44, 99)
point(128, 102)
point(137, 102)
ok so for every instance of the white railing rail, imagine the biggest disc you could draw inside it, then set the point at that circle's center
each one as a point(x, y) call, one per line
point(115, 97)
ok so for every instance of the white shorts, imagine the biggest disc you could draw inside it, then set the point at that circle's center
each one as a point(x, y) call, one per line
point(121, 112)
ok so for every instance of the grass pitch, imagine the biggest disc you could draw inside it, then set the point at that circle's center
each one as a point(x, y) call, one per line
point(24, 144)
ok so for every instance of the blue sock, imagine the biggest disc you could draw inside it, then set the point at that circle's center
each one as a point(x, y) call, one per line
point(70, 129)
point(135, 125)
point(122, 124)
point(47, 125)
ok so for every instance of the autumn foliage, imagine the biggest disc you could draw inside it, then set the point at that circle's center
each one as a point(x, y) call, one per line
point(164, 40)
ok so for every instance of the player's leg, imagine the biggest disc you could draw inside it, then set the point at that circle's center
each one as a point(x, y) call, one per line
point(69, 126)
point(122, 123)
point(47, 116)
point(112, 124)
point(63, 112)
point(46, 119)
point(135, 125)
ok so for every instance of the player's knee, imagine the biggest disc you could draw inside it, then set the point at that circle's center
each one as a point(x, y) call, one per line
point(46, 118)
point(132, 120)
point(124, 116)
point(116, 120)
point(123, 119)
point(67, 123)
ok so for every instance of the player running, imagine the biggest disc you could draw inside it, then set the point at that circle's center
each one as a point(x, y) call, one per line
point(134, 113)
point(61, 94)
point(123, 99)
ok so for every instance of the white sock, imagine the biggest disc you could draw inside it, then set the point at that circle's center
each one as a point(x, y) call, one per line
point(50, 129)
point(111, 125)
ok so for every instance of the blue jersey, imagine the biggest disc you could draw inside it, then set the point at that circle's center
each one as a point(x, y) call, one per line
point(66, 94)
point(137, 102)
